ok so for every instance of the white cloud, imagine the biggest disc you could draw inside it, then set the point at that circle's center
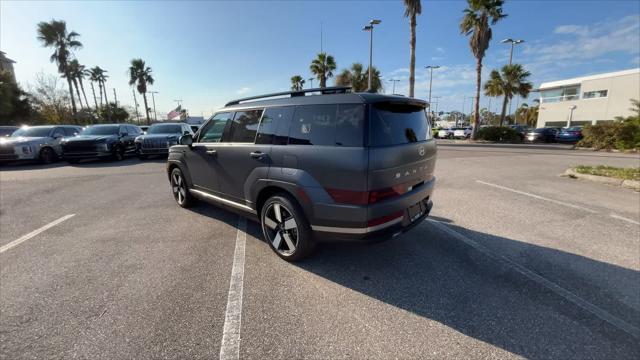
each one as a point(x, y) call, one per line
point(243, 90)
point(440, 50)
point(571, 29)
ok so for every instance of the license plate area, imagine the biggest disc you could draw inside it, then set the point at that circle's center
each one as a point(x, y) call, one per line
point(415, 211)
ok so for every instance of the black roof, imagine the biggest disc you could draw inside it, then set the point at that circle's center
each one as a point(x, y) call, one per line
point(332, 95)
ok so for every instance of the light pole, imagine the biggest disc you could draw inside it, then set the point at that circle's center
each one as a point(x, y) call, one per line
point(369, 28)
point(571, 108)
point(513, 42)
point(431, 67)
point(394, 81)
point(135, 101)
point(311, 80)
point(155, 114)
point(437, 101)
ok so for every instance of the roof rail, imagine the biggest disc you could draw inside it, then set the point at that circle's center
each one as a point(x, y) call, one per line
point(324, 91)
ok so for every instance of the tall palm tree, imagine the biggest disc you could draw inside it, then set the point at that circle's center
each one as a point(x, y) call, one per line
point(99, 75)
point(412, 9)
point(80, 74)
point(54, 34)
point(297, 83)
point(358, 77)
point(74, 72)
point(322, 67)
point(509, 81)
point(140, 75)
point(477, 21)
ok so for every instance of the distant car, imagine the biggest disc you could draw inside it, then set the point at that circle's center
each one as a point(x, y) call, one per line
point(144, 128)
point(159, 138)
point(40, 143)
point(541, 134)
point(522, 130)
point(570, 135)
point(6, 131)
point(445, 133)
point(101, 141)
point(462, 132)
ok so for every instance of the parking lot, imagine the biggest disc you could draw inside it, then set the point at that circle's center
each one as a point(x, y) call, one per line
point(515, 261)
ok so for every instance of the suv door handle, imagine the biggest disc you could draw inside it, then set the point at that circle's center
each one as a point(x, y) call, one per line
point(257, 154)
point(212, 152)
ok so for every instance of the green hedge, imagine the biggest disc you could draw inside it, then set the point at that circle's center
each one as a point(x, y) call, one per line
point(620, 135)
point(497, 133)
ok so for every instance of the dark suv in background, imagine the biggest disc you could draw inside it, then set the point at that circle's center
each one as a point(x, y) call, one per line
point(101, 141)
point(338, 165)
point(159, 138)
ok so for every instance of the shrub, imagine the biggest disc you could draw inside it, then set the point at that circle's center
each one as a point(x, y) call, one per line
point(497, 133)
point(621, 135)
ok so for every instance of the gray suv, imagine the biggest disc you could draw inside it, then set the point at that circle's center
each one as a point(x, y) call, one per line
point(335, 165)
point(42, 143)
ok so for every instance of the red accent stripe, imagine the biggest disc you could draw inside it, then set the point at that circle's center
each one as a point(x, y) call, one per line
point(385, 219)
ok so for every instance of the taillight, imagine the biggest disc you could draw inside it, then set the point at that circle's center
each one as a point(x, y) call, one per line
point(369, 197)
point(349, 197)
point(385, 219)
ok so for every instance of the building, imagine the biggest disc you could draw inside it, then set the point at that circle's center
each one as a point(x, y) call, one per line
point(6, 64)
point(588, 99)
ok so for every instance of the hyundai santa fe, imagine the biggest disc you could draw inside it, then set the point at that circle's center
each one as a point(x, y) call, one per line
point(312, 165)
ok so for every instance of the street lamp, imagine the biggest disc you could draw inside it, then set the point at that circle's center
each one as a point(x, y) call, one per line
point(431, 67)
point(571, 108)
point(513, 42)
point(311, 80)
point(394, 85)
point(369, 28)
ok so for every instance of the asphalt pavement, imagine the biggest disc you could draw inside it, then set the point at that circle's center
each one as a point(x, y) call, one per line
point(515, 261)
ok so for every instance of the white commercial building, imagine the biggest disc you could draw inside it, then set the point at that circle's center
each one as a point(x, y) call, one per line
point(588, 99)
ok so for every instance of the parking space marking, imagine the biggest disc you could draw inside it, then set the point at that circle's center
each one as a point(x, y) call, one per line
point(230, 347)
point(559, 290)
point(24, 238)
point(538, 197)
point(624, 219)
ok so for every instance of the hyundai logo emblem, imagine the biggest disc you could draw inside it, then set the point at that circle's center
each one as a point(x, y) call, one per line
point(421, 150)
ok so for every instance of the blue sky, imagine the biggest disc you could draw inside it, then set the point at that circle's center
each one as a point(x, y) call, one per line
point(208, 52)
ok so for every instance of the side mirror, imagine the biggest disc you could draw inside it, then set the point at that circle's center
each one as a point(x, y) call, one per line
point(186, 139)
point(186, 133)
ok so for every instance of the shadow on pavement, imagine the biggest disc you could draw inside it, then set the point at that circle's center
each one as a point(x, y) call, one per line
point(89, 163)
point(436, 276)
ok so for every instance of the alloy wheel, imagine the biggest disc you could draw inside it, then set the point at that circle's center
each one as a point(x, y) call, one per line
point(178, 187)
point(281, 228)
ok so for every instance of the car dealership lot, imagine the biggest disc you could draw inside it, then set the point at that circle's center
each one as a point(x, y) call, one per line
point(515, 261)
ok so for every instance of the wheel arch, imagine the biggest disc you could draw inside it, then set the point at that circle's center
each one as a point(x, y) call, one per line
point(291, 190)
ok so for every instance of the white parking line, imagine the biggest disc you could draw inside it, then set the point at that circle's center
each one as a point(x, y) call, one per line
point(230, 347)
point(538, 197)
point(624, 219)
point(559, 290)
point(34, 233)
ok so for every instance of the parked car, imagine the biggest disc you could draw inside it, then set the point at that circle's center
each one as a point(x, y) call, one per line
point(6, 131)
point(40, 143)
point(144, 128)
point(462, 132)
point(546, 134)
point(522, 130)
point(445, 133)
point(305, 167)
point(101, 141)
point(570, 135)
point(159, 138)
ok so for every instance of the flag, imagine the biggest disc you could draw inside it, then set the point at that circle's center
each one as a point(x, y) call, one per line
point(175, 112)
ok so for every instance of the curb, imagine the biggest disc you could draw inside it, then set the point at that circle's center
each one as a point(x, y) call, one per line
point(629, 184)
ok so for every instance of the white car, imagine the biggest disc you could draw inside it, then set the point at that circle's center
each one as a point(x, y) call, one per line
point(445, 133)
point(462, 133)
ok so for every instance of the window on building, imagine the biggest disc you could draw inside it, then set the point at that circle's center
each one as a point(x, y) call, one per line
point(594, 94)
point(560, 94)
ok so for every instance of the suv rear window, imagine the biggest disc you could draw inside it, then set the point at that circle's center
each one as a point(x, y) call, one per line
point(330, 125)
point(395, 124)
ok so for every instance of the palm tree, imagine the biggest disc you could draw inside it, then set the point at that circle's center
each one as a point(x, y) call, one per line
point(477, 21)
point(74, 72)
point(510, 81)
point(54, 34)
point(322, 67)
point(297, 83)
point(140, 74)
point(357, 77)
point(412, 9)
point(80, 74)
point(99, 75)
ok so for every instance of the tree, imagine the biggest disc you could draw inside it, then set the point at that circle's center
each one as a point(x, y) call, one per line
point(54, 34)
point(527, 115)
point(358, 78)
point(118, 114)
point(510, 81)
point(140, 75)
point(297, 83)
point(74, 72)
point(99, 75)
point(476, 23)
point(50, 100)
point(14, 102)
point(322, 67)
point(80, 74)
point(413, 8)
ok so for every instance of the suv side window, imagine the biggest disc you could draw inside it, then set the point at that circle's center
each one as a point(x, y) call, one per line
point(330, 125)
point(243, 128)
point(274, 126)
point(134, 130)
point(212, 131)
point(69, 131)
point(58, 132)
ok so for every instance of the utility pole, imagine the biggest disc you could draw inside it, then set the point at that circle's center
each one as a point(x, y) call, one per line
point(369, 28)
point(513, 42)
point(394, 85)
point(431, 67)
point(155, 114)
point(311, 80)
point(135, 101)
point(115, 97)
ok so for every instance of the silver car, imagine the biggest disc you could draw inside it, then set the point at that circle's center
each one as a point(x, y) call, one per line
point(40, 143)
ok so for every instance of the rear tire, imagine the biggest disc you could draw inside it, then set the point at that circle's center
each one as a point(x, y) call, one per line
point(118, 153)
point(286, 229)
point(179, 189)
point(47, 155)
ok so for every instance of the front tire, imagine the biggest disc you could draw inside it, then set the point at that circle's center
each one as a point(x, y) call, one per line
point(179, 189)
point(118, 153)
point(47, 155)
point(286, 229)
